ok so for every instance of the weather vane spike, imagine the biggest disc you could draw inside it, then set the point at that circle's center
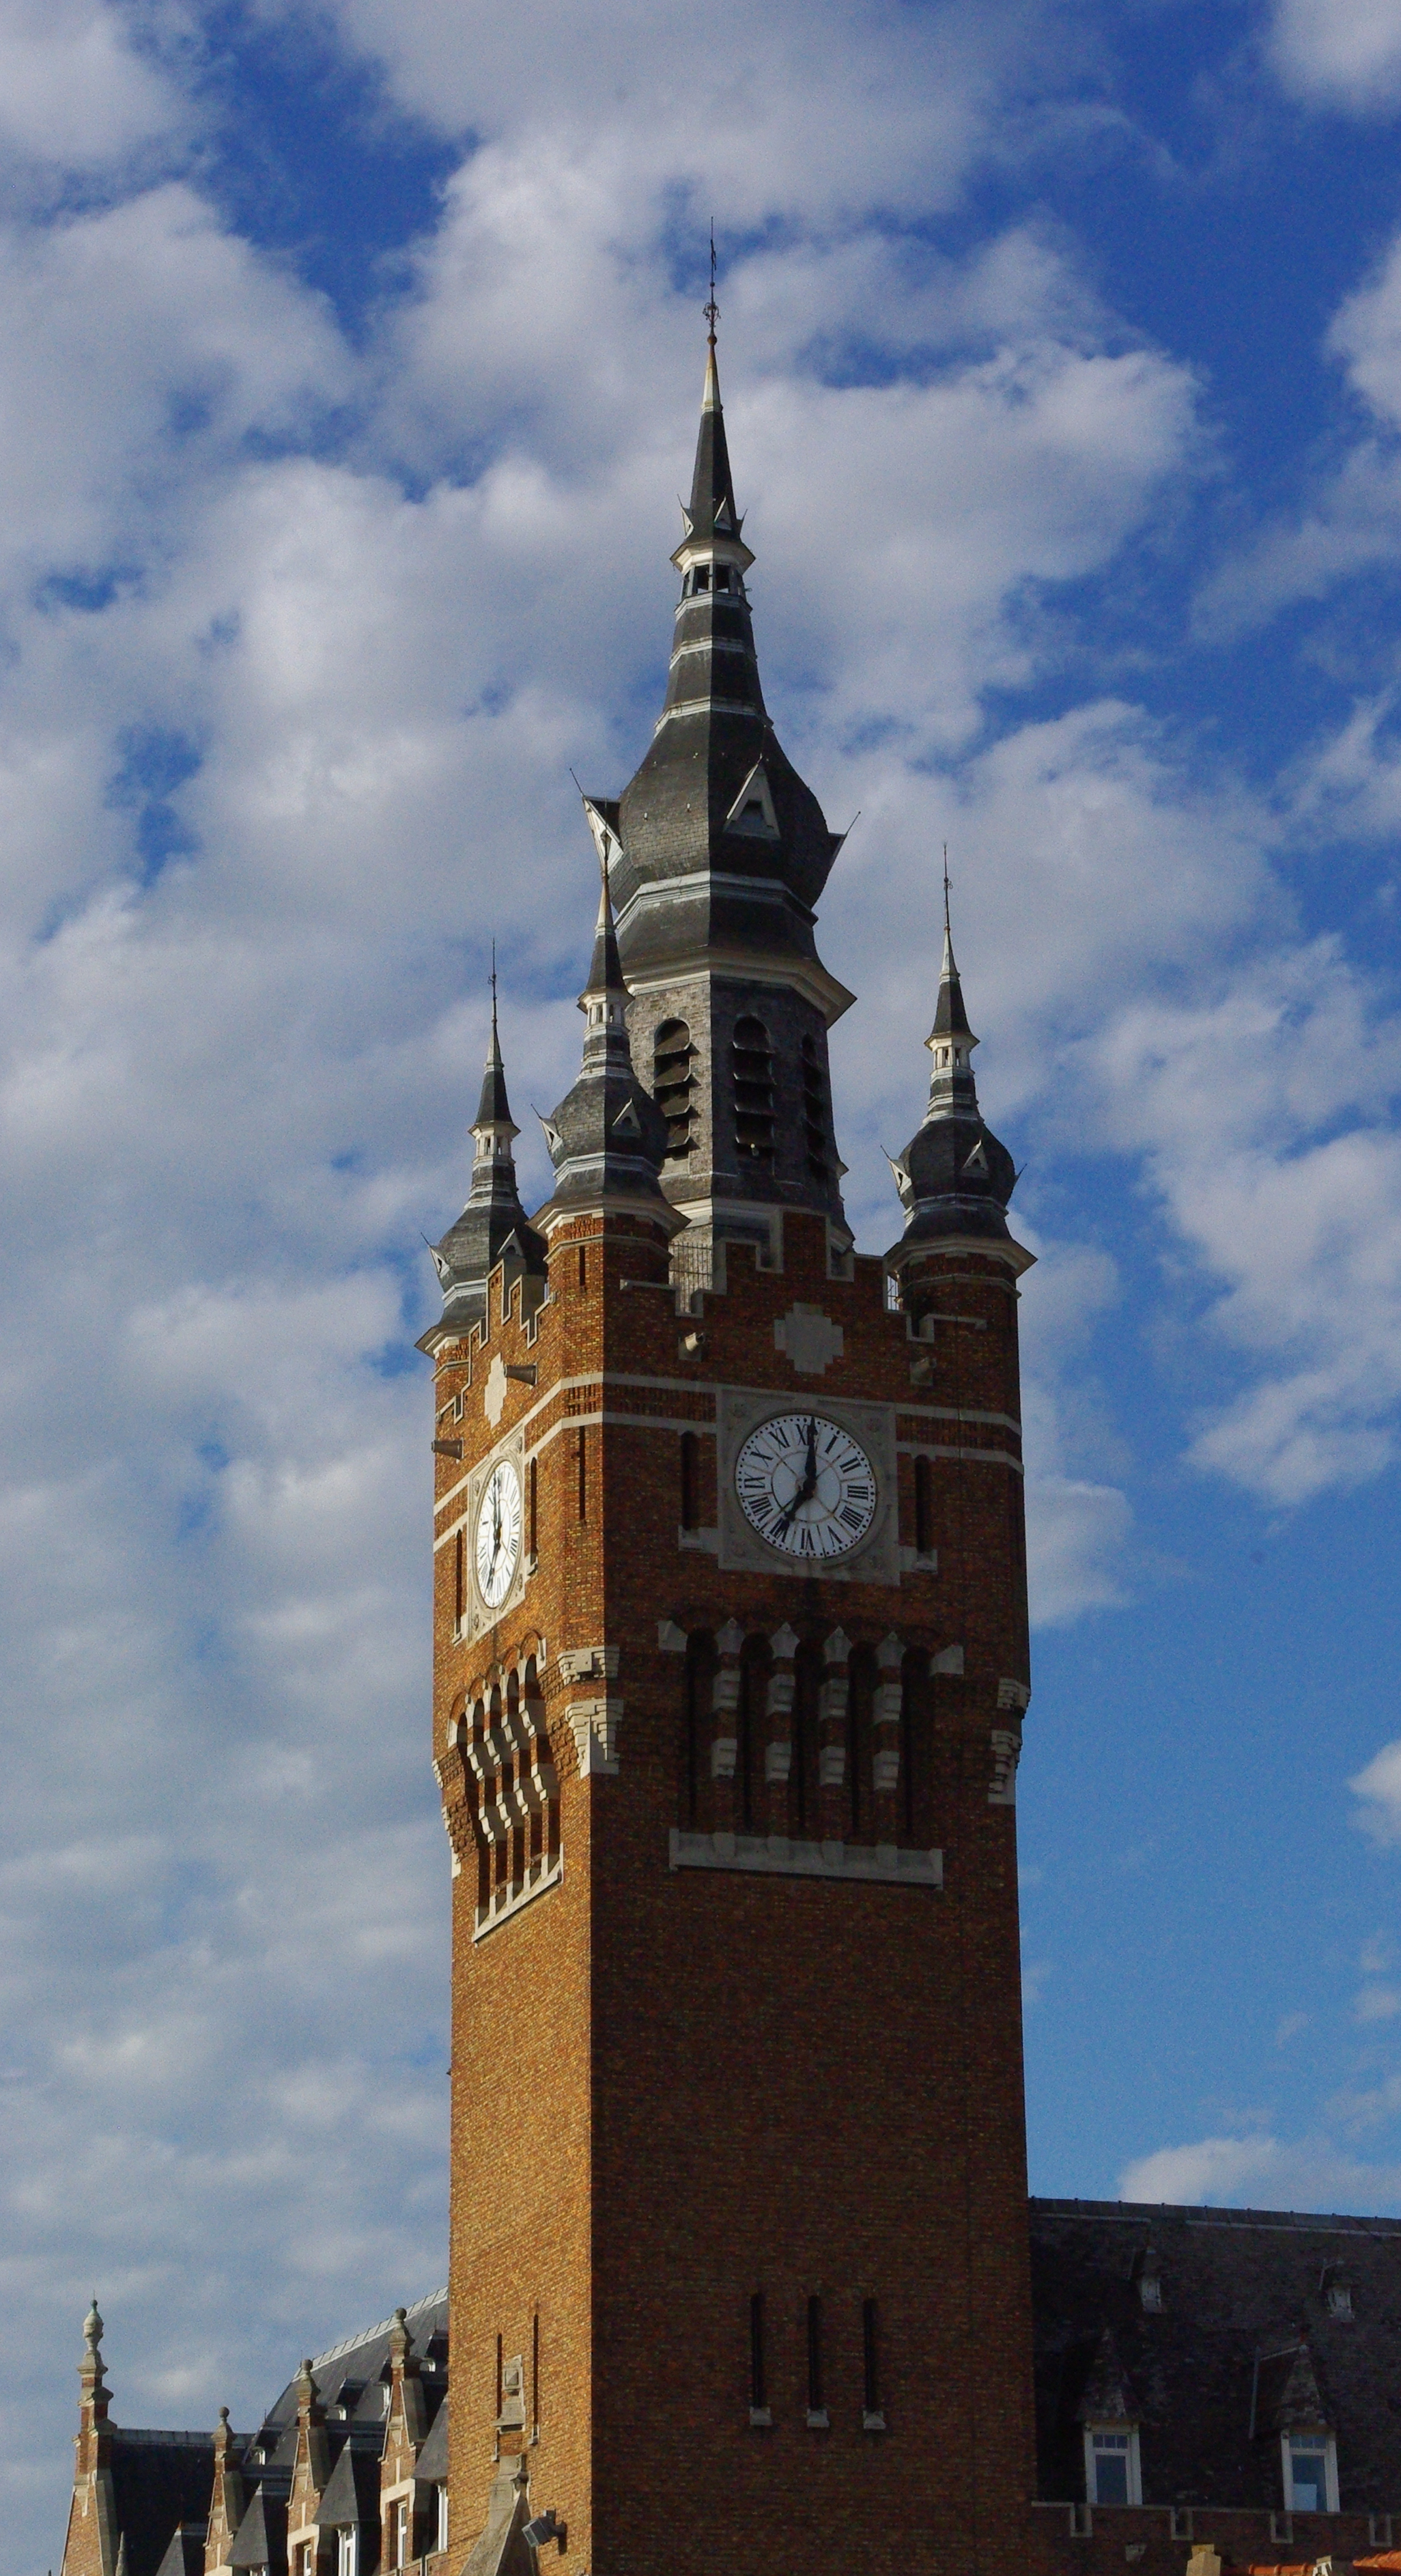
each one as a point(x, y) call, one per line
point(946, 885)
point(712, 309)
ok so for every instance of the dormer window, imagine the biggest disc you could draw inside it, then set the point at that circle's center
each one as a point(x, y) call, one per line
point(1337, 2291)
point(1310, 2471)
point(1111, 2464)
point(1150, 2283)
point(346, 2553)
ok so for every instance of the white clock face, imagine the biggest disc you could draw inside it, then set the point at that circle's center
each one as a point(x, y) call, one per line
point(498, 1533)
point(806, 1486)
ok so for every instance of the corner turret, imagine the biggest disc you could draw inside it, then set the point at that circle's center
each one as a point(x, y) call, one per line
point(607, 1137)
point(955, 1178)
point(493, 1226)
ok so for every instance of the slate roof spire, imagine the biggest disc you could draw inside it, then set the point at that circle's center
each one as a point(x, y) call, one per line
point(955, 1178)
point(721, 849)
point(492, 1226)
point(607, 1137)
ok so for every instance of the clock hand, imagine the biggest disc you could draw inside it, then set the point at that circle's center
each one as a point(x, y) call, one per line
point(807, 1488)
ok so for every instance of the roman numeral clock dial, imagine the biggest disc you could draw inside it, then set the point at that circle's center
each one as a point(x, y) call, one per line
point(498, 1533)
point(806, 1486)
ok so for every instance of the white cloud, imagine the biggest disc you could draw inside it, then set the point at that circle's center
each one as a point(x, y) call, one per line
point(1340, 53)
point(1378, 1785)
point(73, 90)
point(1261, 2173)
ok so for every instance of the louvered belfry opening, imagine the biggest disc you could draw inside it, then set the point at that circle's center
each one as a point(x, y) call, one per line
point(752, 1063)
point(674, 1086)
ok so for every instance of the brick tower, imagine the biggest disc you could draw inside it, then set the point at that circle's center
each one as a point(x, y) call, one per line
point(730, 1664)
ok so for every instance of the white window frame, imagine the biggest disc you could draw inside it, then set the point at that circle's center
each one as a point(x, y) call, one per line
point(347, 2550)
point(1122, 2432)
point(442, 2517)
point(1317, 2439)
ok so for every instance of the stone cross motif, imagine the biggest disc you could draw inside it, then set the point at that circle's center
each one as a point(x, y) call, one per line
point(494, 1392)
point(810, 1340)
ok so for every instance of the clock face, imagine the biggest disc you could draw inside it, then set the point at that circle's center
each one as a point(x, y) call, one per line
point(498, 1533)
point(806, 1485)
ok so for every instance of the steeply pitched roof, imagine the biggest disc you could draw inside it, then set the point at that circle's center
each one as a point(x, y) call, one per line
point(352, 2375)
point(352, 2490)
point(185, 2556)
point(159, 2480)
point(261, 2537)
point(433, 2458)
point(1244, 2346)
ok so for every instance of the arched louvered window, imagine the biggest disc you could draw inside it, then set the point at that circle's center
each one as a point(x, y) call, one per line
point(674, 1086)
point(752, 1071)
point(815, 1111)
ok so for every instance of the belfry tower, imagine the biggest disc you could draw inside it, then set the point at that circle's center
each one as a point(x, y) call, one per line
point(730, 1666)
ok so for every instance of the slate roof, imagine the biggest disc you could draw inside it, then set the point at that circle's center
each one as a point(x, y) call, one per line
point(692, 872)
point(354, 2375)
point(158, 2481)
point(433, 2458)
point(185, 2556)
point(1245, 2344)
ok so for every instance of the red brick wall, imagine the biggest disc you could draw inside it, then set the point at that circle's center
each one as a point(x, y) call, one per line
point(675, 2087)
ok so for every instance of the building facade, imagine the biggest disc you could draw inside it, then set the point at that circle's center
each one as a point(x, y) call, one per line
point(730, 1668)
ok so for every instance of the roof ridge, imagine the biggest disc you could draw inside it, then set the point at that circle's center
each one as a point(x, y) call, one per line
point(433, 2299)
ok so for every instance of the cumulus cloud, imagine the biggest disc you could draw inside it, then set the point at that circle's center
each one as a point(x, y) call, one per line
point(1262, 2173)
point(302, 640)
point(1378, 1786)
point(1339, 53)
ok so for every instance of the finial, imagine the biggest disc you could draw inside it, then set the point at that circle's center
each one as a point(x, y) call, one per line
point(712, 309)
point(493, 975)
point(946, 889)
point(92, 2325)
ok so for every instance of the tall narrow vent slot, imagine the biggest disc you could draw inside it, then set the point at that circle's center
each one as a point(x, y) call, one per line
point(817, 2412)
point(758, 2372)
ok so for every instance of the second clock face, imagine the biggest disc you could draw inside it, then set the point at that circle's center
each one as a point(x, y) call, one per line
point(806, 1486)
point(498, 1533)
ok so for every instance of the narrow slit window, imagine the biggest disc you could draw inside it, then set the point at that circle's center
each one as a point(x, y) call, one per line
point(690, 1481)
point(924, 1507)
point(758, 2373)
point(582, 1440)
point(817, 2412)
point(873, 2412)
point(583, 1267)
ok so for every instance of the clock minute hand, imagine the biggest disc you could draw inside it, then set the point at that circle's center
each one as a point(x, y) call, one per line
point(807, 1488)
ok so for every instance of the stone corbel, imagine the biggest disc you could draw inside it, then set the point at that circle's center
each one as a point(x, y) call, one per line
point(1006, 1742)
point(595, 1724)
point(590, 1663)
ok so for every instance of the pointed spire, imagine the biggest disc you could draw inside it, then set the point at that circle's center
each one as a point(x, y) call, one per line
point(492, 1226)
point(605, 973)
point(493, 1109)
point(954, 1177)
point(607, 1138)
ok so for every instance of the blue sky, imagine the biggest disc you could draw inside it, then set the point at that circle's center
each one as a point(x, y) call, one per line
point(351, 365)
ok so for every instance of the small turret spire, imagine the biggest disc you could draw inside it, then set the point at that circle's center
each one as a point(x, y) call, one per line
point(605, 972)
point(492, 1226)
point(607, 1137)
point(493, 1109)
point(954, 1177)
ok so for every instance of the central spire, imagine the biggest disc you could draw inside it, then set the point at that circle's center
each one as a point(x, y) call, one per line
point(716, 855)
